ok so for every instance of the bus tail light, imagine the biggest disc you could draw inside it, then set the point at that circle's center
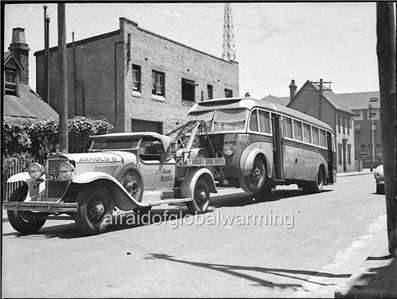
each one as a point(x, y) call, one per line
point(228, 149)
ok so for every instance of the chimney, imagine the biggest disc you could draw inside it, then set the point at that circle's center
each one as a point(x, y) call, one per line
point(292, 90)
point(20, 49)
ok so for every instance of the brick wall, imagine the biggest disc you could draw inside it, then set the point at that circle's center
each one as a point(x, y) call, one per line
point(177, 61)
point(95, 72)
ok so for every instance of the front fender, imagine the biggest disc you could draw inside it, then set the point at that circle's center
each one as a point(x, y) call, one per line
point(121, 198)
point(187, 187)
point(247, 161)
point(19, 177)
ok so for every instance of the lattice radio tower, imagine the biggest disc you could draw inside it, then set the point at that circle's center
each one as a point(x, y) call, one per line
point(228, 52)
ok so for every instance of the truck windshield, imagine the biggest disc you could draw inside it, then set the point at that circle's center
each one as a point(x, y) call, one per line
point(223, 119)
point(113, 144)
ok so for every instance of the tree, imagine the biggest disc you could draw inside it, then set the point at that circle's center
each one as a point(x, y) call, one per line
point(386, 51)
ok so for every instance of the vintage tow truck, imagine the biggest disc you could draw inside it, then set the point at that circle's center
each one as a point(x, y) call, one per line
point(122, 172)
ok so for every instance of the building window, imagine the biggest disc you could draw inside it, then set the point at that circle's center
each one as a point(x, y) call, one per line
point(188, 90)
point(340, 153)
point(11, 82)
point(338, 123)
point(210, 91)
point(348, 126)
point(287, 127)
point(358, 115)
point(140, 125)
point(136, 77)
point(343, 124)
point(228, 93)
point(158, 79)
point(349, 157)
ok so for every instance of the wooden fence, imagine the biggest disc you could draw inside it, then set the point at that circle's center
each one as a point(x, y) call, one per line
point(17, 166)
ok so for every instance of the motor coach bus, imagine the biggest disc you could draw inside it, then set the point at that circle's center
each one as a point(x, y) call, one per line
point(266, 144)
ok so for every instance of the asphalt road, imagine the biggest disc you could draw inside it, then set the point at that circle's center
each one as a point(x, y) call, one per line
point(293, 244)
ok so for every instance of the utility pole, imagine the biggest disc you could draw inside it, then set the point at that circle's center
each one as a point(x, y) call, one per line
point(320, 84)
point(63, 86)
point(371, 154)
point(386, 51)
point(74, 77)
point(46, 55)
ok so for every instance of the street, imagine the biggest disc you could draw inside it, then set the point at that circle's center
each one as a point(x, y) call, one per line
point(305, 245)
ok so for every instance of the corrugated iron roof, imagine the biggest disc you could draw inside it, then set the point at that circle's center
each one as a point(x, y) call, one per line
point(28, 108)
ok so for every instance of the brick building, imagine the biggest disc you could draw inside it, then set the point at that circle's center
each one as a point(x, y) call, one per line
point(365, 140)
point(20, 103)
point(325, 105)
point(136, 79)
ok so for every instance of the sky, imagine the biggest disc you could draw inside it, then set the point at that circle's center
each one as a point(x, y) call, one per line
point(274, 42)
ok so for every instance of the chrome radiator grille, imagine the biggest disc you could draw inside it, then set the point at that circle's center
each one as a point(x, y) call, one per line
point(55, 185)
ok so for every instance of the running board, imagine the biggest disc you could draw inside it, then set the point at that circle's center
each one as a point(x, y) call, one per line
point(165, 202)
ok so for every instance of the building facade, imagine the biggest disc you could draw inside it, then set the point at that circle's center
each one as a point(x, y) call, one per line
point(368, 140)
point(323, 104)
point(21, 104)
point(136, 79)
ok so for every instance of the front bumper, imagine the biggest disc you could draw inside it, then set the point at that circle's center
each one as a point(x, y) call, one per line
point(41, 207)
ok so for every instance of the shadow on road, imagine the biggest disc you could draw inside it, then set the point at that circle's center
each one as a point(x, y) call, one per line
point(235, 270)
point(376, 282)
point(241, 199)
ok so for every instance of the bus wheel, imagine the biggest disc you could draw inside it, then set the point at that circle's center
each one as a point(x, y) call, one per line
point(317, 185)
point(201, 197)
point(256, 179)
point(95, 210)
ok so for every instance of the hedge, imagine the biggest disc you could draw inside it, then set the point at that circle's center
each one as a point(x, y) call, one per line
point(41, 138)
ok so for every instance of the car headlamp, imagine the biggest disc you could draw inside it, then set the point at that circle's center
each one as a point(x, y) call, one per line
point(228, 149)
point(36, 170)
point(66, 171)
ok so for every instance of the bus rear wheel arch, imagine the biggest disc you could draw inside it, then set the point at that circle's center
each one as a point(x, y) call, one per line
point(318, 183)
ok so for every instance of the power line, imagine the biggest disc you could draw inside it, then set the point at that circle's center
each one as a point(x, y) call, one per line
point(279, 31)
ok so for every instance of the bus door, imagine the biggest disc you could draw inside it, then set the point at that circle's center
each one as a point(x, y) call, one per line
point(331, 159)
point(277, 148)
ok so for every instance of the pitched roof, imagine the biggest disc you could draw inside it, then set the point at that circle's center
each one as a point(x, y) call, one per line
point(7, 56)
point(359, 100)
point(332, 98)
point(27, 109)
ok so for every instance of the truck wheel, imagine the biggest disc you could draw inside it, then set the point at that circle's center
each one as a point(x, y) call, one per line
point(95, 210)
point(24, 221)
point(256, 179)
point(201, 197)
point(131, 180)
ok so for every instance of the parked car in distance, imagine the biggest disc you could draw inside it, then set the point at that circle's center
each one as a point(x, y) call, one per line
point(380, 180)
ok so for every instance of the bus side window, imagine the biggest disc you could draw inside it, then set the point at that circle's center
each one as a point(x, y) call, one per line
point(307, 136)
point(264, 122)
point(254, 121)
point(323, 139)
point(298, 130)
point(287, 127)
point(315, 136)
